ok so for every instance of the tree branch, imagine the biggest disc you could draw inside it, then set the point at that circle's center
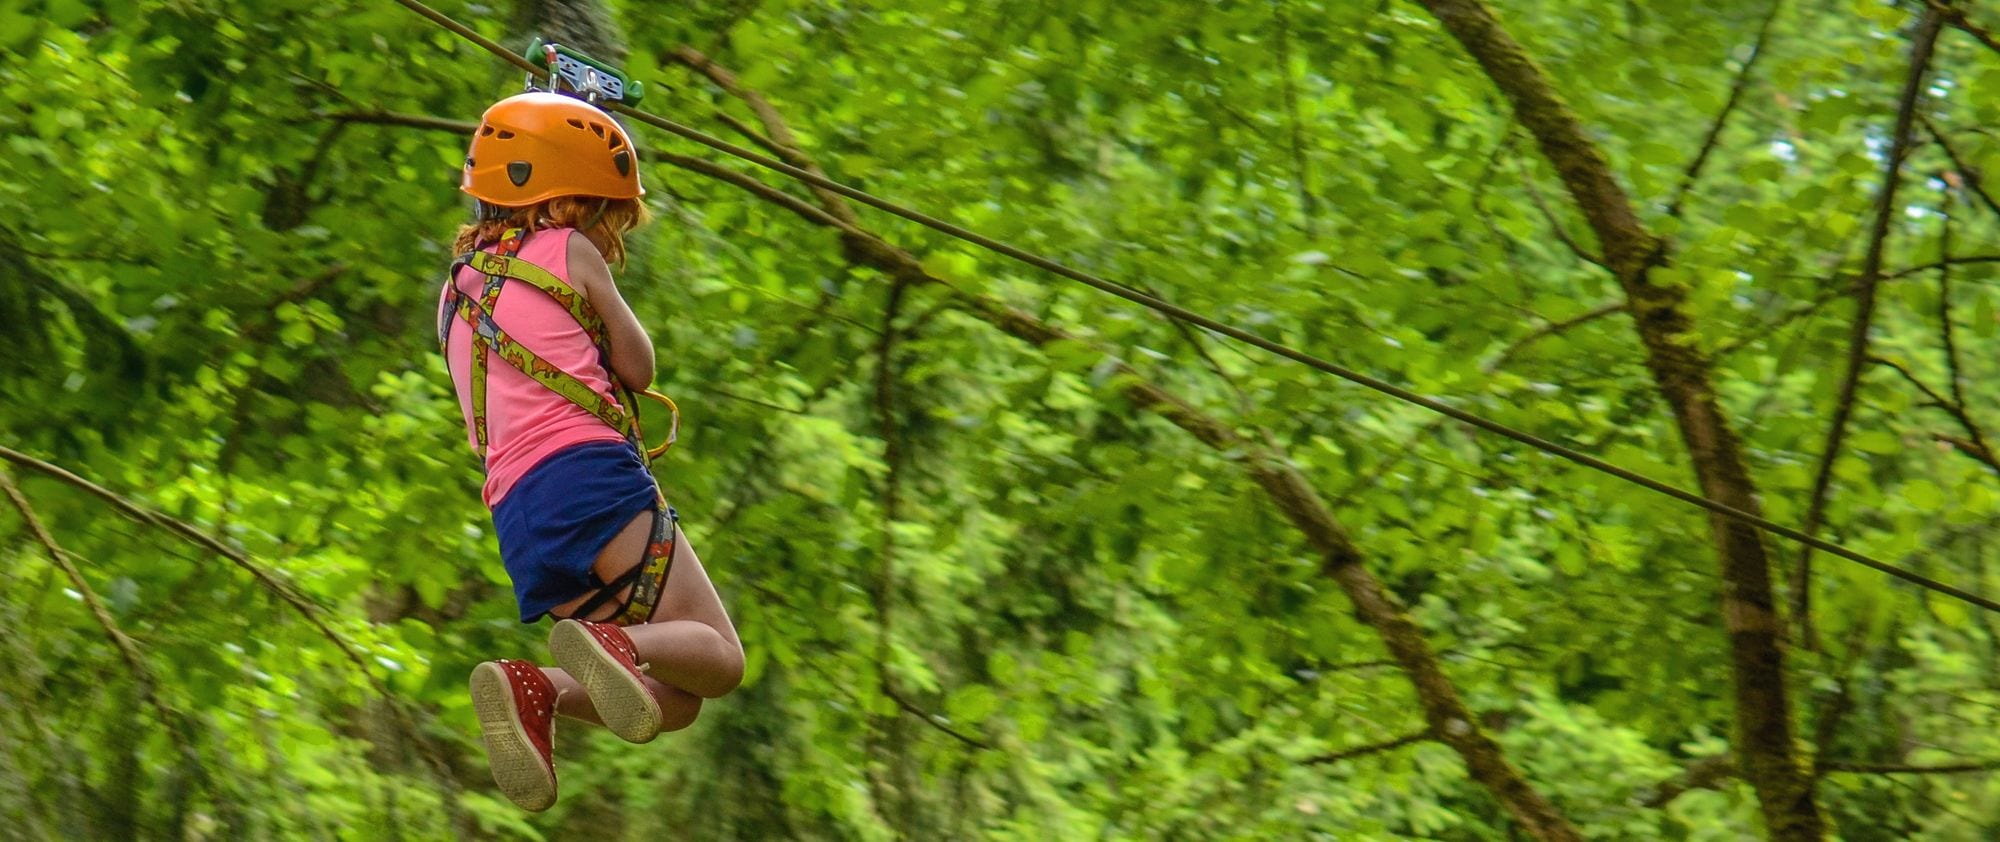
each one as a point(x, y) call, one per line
point(1703, 773)
point(1551, 329)
point(1562, 233)
point(1860, 768)
point(1288, 90)
point(142, 674)
point(1968, 176)
point(1936, 804)
point(1832, 293)
point(1956, 17)
point(1864, 316)
point(1947, 332)
point(725, 393)
point(751, 134)
point(1370, 748)
point(1712, 772)
point(381, 117)
point(1975, 446)
point(1736, 89)
point(783, 141)
point(934, 720)
point(748, 183)
point(1684, 377)
point(892, 458)
point(178, 528)
point(1506, 355)
point(1962, 260)
point(298, 602)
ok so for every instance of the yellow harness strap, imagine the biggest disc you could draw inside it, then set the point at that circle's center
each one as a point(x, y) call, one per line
point(488, 336)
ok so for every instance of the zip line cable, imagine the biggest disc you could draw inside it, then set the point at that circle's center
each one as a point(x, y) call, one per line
point(1177, 312)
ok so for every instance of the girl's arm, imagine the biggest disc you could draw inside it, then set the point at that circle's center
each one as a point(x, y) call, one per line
point(631, 348)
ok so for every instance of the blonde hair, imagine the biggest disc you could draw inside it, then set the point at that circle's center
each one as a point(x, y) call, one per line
point(605, 221)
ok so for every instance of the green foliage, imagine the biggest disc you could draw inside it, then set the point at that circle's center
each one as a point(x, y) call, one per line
point(1077, 621)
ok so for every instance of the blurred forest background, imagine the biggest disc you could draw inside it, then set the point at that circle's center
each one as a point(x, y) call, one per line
point(1012, 559)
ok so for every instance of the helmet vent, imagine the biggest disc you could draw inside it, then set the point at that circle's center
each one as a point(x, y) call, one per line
point(617, 141)
point(518, 172)
point(506, 135)
point(623, 161)
point(575, 122)
point(598, 128)
point(485, 130)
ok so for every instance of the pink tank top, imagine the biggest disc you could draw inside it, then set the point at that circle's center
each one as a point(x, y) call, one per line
point(525, 421)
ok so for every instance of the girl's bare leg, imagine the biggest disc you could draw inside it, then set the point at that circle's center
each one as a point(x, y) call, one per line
point(689, 641)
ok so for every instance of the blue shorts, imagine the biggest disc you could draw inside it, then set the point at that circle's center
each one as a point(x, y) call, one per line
point(554, 521)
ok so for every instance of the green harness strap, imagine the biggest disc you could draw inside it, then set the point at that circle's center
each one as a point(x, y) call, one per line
point(488, 336)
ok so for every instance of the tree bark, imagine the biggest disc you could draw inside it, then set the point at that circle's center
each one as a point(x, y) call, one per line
point(1763, 728)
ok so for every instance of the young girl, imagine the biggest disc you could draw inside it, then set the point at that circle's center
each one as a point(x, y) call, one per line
point(544, 354)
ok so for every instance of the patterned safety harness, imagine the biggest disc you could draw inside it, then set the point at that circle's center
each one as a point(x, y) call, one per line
point(489, 339)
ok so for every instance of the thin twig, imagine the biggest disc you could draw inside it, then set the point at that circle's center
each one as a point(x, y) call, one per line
point(1562, 233)
point(892, 457)
point(1736, 89)
point(749, 183)
point(1551, 329)
point(179, 528)
point(382, 117)
point(749, 133)
point(784, 143)
point(725, 393)
point(1834, 290)
point(1947, 335)
point(1975, 444)
point(1370, 748)
point(892, 483)
point(1711, 772)
point(1969, 176)
point(1499, 361)
point(1301, 165)
point(1970, 449)
point(936, 721)
point(1860, 768)
point(1961, 260)
point(1857, 345)
point(1933, 801)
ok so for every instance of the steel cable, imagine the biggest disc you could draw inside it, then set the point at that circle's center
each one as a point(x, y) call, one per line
point(1177, 312)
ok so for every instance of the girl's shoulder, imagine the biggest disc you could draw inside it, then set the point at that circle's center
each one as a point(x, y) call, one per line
point(584, 264)
point(550, 249)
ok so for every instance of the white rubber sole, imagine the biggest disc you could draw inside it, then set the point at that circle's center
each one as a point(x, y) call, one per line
point(517, 765)
point(622, 701)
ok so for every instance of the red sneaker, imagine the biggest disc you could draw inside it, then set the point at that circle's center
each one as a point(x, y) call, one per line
point(601, 657)
point(517, 711)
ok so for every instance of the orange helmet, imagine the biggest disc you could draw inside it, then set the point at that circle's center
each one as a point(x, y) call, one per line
point(536, 146)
